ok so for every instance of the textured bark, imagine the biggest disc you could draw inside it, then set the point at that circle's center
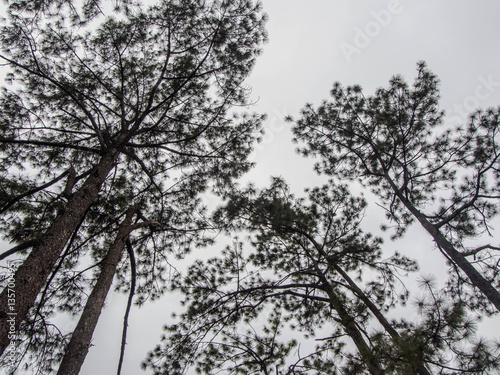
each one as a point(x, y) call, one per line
point(32, 274)
point(79, 344)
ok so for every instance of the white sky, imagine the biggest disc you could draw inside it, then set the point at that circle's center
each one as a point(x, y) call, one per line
point(458, 39)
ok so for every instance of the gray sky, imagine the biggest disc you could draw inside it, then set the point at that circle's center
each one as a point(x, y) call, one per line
point(311, 45)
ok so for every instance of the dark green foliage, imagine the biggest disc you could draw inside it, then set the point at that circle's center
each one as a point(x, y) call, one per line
point(285, 306)
point(445, 335)
point(153, 87)
point(294, 278)
point(445, 178)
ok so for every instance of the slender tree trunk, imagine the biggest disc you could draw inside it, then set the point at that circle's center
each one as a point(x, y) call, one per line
point(33, 273)
point(346, 319)
point(355, 334)
point(459, 259)
point(351, 328)
point(420, 367)
point(133, 275)
point(79, 344)
point(418, 364)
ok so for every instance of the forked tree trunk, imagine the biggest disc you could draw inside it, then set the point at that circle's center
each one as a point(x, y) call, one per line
point(33, 273)
point(79, 344)
point(346, 320)
point(420, 367)
point(355, 334)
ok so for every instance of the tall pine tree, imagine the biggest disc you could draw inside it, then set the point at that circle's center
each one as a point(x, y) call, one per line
point(305, 251)
point(108, 113)
point(445, 178)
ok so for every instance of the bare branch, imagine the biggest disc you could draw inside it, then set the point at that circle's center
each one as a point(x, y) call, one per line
point(133, 276)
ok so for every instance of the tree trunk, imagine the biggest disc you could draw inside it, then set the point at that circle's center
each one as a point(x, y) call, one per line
point(356, 336)
point(79, 344)
point(351, 328)
point(459, 259)
point(346, 319)
point(33, 273)
point(419, 366)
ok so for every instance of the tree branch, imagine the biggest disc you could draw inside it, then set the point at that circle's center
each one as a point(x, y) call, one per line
point(477, 250)
point(130, 252)
point(71, 181)
point(20, 247)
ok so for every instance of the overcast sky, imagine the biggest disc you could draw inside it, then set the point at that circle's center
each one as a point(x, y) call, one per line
point(311, 45)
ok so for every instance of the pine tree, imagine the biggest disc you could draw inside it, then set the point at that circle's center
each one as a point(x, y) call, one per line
point(445, 178)
point(304, 253)
point(98, 118)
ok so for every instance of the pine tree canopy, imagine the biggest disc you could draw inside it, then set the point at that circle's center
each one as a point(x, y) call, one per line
point(112, 109)
point(125, 136)
point(447, 179)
